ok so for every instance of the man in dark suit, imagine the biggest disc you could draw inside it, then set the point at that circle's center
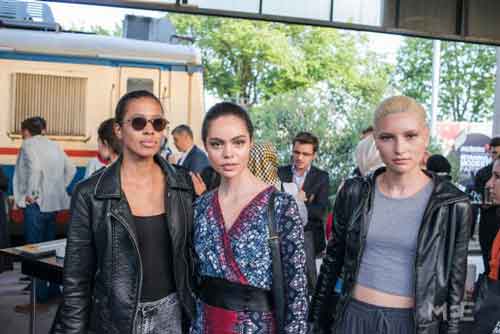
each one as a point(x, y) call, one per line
point(313, 184)
point(489, 224)
point(193, 159)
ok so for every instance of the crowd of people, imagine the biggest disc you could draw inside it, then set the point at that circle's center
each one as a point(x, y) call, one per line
point(225, 240)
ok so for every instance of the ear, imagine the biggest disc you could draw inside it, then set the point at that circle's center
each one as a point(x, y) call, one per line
point(118, 131)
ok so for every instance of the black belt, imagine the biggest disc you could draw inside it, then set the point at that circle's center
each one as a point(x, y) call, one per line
point(233, 296)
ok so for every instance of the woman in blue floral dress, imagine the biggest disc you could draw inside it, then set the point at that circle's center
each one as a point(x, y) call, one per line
point(234, 263)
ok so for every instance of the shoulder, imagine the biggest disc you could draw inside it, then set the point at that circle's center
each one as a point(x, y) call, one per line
point(319, 173)
point(86, 187)
point(205, 200)
point(445, 190)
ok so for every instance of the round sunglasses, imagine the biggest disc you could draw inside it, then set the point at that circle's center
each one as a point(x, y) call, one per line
point(139, 123)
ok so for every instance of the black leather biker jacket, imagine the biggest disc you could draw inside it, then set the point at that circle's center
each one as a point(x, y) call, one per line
point(102, 269)
point(440, 264)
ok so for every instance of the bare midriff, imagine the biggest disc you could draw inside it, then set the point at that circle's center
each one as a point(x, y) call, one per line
point(379, 298)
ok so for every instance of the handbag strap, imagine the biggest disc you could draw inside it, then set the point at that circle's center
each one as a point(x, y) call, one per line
point(277, 289)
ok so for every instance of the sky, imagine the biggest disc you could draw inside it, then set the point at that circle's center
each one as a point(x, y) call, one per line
point(70, 15)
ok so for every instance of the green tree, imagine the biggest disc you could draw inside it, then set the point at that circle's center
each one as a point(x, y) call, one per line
point(252, 61)
point(467, 77)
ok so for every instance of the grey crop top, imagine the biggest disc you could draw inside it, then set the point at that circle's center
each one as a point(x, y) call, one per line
point(388, 260)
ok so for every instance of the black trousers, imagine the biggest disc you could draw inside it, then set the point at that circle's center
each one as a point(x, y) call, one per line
point(311, 272)
point(362, 318)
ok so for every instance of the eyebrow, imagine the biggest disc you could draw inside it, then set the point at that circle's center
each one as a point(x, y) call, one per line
point(222, 140)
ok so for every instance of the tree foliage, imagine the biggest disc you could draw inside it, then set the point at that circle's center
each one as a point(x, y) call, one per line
point(467, 78)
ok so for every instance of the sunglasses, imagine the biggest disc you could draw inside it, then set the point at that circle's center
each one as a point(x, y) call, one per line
point(139, 123)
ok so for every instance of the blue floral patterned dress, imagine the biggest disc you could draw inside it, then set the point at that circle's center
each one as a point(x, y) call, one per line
point(242, 255)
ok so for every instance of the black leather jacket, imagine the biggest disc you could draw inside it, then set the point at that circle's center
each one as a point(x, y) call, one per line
point(102, 269)
point(440, 264)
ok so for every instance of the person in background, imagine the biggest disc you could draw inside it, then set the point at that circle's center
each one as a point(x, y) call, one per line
point(5, 262)
point(108, 147)
point(367, 132)
point(263, 163)
point(367, 156)
point(400, 240)
point(493, 187)
point(313, 184)
point(439, 165)
point(42, 173)
point(489, 224)
point(193, 159)
point(128, 265)
point(231, 240)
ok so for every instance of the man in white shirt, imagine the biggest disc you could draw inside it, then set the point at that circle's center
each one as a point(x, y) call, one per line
point(42, 173)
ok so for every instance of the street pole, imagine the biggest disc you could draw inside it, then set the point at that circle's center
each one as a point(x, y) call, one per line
point(436, 68)
point(496, 115)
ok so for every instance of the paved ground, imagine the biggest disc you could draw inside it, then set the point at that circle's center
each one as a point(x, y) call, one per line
point(11, 294)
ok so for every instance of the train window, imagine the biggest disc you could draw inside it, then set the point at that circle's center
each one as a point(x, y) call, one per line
point(60, 100)
point(140, 84)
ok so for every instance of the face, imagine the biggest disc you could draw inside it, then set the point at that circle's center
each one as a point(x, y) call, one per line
point(228, 146)
point(493, 184)
point(495, 152)
point(182, 141)
point(402, 139)
point(25, 134)
point(145, 142)
point(303, 155)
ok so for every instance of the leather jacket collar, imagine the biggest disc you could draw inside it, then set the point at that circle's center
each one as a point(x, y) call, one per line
point(109, 186)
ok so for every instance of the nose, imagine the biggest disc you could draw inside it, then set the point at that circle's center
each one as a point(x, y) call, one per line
point(489, 184)
point(227, 151)
point(148, 129)
point(400, 146)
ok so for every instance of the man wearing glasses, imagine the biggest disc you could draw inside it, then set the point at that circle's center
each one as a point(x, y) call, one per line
point(313, 184)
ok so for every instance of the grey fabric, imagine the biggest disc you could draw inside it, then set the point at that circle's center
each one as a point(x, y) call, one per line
point(163, 316)
point(362, 318)
point(388, 260)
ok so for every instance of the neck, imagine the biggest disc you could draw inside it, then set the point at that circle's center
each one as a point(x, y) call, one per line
point(238, 184)
point(397, 185)
point(137, 167)
point(300, 172)
point(189, 148)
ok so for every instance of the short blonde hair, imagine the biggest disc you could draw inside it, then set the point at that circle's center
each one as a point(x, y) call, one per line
point(399, 104)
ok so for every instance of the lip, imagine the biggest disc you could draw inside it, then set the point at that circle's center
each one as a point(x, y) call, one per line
point(148, 143)
point(401, 161)
point(229, 167)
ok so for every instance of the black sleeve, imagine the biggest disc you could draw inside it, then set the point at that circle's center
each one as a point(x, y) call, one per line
point(316, 209)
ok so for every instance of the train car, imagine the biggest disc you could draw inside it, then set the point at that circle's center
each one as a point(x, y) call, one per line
point(74, 81)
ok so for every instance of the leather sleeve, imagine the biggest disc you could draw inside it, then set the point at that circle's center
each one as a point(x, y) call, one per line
point(462, 218)
point(79, 269)
point(320, 309)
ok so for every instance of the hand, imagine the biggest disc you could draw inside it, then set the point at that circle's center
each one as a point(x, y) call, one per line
point(198, 184)
point(301, 196)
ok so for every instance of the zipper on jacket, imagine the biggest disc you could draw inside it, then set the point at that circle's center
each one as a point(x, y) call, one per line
point(139, 289)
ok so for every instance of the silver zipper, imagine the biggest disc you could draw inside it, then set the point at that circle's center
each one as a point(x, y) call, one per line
point(139, 290)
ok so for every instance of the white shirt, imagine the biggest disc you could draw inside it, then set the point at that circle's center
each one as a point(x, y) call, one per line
point(298, 179)
point(43, 171)
point(184, 156)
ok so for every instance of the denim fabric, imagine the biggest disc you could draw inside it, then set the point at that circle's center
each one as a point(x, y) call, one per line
point(163, 316)
point(40, 227)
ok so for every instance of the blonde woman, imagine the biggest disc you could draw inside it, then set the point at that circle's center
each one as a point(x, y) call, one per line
point(399, 241)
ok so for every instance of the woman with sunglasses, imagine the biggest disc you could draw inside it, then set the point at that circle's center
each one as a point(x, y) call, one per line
point(399, 241)
point(127, 266)
point(231, 240)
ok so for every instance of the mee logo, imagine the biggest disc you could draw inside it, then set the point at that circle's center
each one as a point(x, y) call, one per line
point(496, 330)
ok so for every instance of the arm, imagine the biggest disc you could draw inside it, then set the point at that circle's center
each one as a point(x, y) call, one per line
point(321, 309)
point(79, 270)
point(318, 204)
point(462, 219)
point(293, 262)
point(69, 170)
